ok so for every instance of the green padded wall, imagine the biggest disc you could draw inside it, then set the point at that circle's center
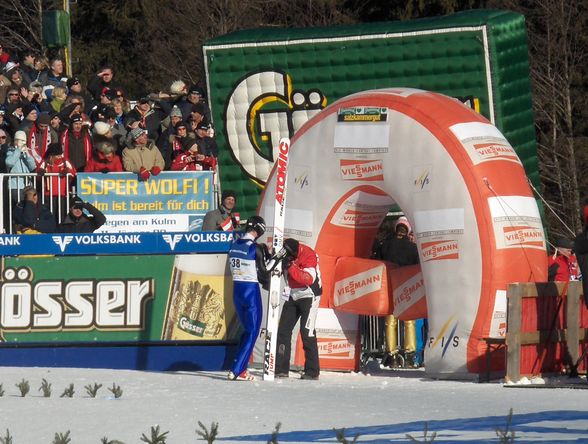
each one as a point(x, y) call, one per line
point(264, 83)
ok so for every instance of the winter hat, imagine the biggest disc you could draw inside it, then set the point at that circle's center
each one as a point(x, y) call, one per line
point(137, 132)
point(20, 135)
point(202, 126)
point(75, 118)
point(72, 81)
point(181, 123)
point(196, 89)
point(402, 220)
point(291, 246)
point(105, 147)
point(177, 87)
point(175, 112)
point(44, 119)
point(54, 149)
point(228, 193)
point(198, 108)
point(10, 66)
point(27, 109)
point(101, 128)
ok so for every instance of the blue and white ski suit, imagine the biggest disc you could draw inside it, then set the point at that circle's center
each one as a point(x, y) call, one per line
point(246, 297)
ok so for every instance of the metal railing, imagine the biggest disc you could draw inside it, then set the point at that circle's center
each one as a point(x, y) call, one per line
point(56, 198)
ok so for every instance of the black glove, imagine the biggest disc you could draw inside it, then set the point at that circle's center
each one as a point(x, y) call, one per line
point(41, 172)
point(105, 170)
point(62, 173)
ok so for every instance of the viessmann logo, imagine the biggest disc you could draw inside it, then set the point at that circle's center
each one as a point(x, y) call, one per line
point(359, 219)
point(440, 250)
point(413, 289)
point(358, 285)
point(523, 235)
point(496, 151)
point(336, 349)
point(367, 170)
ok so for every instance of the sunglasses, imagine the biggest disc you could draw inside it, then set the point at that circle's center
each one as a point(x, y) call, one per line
point(2, 137)
point(13, 94)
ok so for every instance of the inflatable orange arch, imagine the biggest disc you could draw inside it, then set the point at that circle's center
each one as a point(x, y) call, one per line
point(459, 182)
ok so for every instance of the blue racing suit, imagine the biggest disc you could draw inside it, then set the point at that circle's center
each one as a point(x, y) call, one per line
point(246, 296)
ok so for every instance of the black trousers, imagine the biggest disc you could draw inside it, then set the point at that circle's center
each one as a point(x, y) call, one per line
point(291, 312)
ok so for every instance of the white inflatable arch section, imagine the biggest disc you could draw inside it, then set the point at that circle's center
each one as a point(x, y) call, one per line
point(459, 182)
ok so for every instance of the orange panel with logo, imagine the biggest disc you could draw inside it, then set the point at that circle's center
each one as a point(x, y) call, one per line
point(361, 286)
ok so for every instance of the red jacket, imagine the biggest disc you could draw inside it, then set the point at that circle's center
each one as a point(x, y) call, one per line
point(303, 271)
point(563, 269)
point(98, 164)
point(186, 162)
point(56, 185)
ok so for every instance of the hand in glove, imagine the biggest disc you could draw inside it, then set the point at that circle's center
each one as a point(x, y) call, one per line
point(155, 170)
point(105, 170)
point(144, 174)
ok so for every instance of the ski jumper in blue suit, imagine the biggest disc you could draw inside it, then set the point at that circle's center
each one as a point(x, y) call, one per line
point(246, 297)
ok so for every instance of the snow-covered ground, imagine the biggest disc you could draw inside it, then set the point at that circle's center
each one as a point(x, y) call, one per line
point(382, 407)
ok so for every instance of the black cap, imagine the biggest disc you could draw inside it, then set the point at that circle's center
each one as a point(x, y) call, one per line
point(72, 81)
point(228, 193)
point(291, 246)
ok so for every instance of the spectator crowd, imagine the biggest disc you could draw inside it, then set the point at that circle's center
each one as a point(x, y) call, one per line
point(52, 123)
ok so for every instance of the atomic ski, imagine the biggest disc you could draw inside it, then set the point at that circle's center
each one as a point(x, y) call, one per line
point(273, 308)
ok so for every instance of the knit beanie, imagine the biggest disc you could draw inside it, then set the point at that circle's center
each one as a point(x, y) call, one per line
point(228, 193)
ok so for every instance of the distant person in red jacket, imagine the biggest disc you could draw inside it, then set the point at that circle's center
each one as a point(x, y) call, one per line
point(303, 293)
point(563, 266)
point(104, 159)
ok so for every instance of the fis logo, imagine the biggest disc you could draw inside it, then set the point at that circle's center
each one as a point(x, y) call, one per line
point(172, 241)
point(445, 339)
point(62, 242)
point(302, 180)
point(422, 180)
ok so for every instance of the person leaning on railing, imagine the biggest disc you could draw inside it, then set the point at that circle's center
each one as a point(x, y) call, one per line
point(31, 216)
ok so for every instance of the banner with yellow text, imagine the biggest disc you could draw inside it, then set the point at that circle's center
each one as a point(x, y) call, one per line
point(171, 201)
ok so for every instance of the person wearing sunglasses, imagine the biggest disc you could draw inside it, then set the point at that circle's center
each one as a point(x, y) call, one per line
point(83, 217)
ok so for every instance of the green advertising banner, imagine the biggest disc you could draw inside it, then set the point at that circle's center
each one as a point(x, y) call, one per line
point(117, 298)
point(264, 84)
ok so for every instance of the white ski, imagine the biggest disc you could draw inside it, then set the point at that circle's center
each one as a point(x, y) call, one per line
point(273, 309)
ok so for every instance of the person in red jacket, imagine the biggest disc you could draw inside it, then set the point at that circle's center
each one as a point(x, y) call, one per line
point(303, 292)
point(563, 265)
point(104, 159)
point(56, 186)
point(192, 159)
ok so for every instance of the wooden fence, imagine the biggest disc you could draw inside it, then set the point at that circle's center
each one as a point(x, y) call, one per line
point(547, 329)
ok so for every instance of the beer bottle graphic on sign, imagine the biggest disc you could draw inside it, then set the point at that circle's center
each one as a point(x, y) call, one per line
point(200, 300)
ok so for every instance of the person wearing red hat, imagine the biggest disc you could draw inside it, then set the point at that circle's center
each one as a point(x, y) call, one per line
point(581, 250)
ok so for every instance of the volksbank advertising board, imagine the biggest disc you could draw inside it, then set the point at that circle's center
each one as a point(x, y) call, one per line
point(264, 84)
